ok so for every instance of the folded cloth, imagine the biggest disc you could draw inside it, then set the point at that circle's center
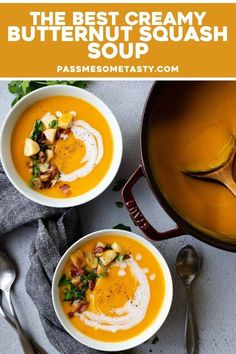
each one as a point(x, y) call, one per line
point(57, 230)
point(16, 210)
point(52, 240)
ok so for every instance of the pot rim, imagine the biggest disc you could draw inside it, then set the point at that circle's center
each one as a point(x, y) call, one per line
point(180, 221)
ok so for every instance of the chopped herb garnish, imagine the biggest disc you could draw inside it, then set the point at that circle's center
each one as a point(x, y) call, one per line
point(21, 88)
point(38, 127)
point(45, 147)
point(74, 293)
point(53, 124)
point(89, 276)
point(122, 227)
point(79, 294)
point(68, 296)
point(31, 182)
point(119, 204)
point(64, 281)
point(99, 261)
point(102, 275)
point(36, 170)
point(119, 185)
point(120, 257)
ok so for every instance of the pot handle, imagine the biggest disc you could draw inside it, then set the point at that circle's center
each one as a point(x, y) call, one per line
point(136, 214)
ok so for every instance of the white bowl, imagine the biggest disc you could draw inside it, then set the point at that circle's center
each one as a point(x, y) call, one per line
point(122, 345)
point(6, 133)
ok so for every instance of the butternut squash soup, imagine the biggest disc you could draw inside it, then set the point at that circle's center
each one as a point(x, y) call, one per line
point(191, 129)
point(62, 146)
point(112, 288)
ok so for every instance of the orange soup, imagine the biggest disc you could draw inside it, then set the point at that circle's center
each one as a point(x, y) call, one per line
point(112, 288)
point(190, 129)
point(62, 146)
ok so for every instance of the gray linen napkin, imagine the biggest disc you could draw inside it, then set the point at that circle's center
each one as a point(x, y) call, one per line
point(55, 234)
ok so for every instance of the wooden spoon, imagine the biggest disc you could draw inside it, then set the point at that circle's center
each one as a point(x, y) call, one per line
point(222, 172)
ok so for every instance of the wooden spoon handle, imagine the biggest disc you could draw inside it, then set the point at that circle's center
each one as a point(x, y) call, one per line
point(231, 185)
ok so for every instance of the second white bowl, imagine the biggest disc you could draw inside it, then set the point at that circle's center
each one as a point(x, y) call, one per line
point(126, 344)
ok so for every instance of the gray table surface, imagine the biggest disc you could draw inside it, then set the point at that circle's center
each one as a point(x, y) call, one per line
point(214, 291)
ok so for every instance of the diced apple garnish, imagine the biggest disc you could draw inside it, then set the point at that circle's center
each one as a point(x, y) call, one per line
point(92, 261)
point(102, 269)
point(75, 281)
point(108, 256)
point(100, 244)
point(49, 155)
point(118, 248)
point(31, 147)
point(47, 119)
point(64, 120)
point(50, 134)
point(43, 167)
point(78, 259)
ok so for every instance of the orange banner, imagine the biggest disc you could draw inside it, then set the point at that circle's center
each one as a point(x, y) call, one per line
point(117, 40)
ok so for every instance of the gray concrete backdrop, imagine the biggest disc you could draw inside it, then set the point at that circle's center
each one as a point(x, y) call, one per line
point(214, 291)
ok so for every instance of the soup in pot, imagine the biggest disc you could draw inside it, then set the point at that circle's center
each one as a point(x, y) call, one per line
point(191, 126)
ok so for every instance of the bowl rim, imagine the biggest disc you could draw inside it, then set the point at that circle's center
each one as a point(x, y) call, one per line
point(71, 91)
point(139, 338)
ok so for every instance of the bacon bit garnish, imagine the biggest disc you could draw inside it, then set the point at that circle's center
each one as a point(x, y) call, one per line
point(82, 306)
point(73, 270)
point(80, 271)
point(65, 189)
point(41, 138)
point(58, 133)
point(37, 183)
point(91, 284)
point(71, 314)
point(49, 174)
point(30, 164)
point(126, 256)
point(98, 251)
point(53, 170)
point(42, 157)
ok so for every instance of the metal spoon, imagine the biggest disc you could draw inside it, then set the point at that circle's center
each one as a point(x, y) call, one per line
point(7, 277)
point(6, 316)
point(188, 267)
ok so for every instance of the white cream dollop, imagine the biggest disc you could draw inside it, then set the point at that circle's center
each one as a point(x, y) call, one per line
point(133, 311)
point(94, 150)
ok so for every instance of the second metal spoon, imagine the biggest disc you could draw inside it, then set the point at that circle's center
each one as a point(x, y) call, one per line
point(188, 267)
point(7, 277)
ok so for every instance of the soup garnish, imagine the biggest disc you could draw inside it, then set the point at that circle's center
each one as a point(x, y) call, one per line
point(85, 269)
point(45, 142)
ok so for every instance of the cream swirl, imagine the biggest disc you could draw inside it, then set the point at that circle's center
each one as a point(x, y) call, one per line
point(133, 311)
point(94, 150)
